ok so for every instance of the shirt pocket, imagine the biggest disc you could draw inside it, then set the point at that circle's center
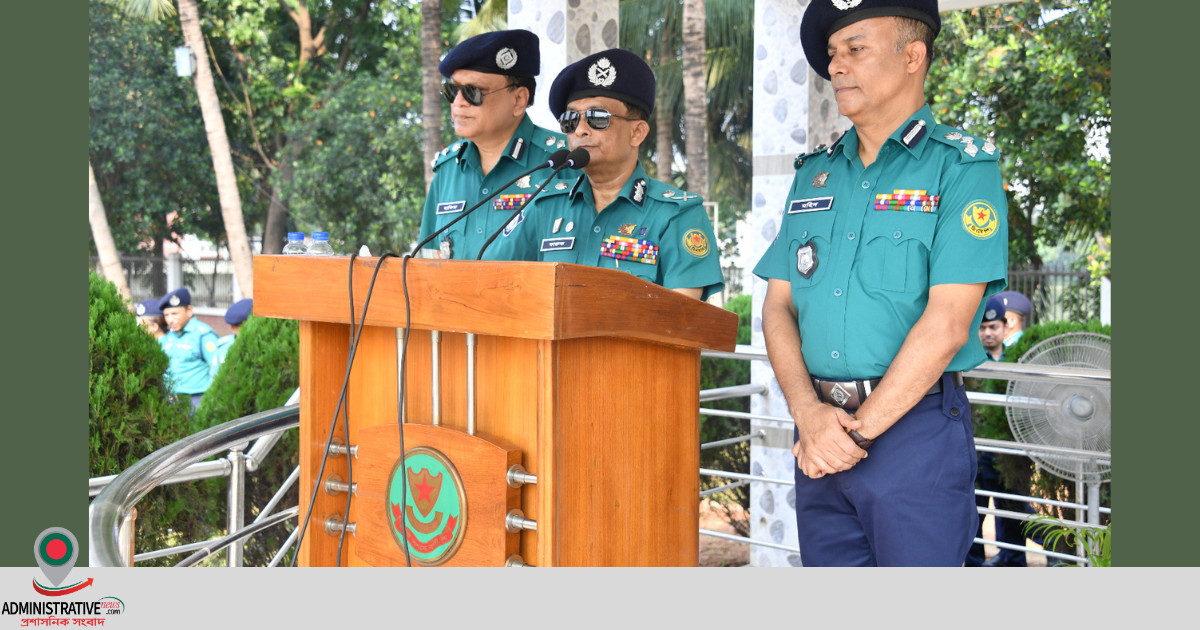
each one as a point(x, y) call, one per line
point(818, 228)
point(645, 271)
point(896, 255)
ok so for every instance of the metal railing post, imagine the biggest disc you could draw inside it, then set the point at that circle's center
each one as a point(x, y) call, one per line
point(237, 504)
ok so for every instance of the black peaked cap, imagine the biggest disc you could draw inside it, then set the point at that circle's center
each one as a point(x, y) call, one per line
point(512, 53)
point(615, 73)
point(826, 17)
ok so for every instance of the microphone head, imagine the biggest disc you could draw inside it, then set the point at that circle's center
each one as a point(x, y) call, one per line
point(557, 158)
point(579, 158)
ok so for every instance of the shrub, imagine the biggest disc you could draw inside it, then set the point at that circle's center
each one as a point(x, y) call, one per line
point(736, 458)
point(131, 413)
point(260, 372)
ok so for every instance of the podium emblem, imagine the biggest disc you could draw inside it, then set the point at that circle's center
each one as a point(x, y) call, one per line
point(432, 515)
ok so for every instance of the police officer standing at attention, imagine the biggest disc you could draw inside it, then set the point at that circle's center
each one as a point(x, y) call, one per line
point(190, 345)
point(234, 316)
point(613, 215)
point(491, 85)
point(890, 241)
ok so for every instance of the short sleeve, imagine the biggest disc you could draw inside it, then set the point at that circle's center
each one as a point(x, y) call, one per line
point(688, 253)
point(773, 263)
point(208, 346)
point(970, 242)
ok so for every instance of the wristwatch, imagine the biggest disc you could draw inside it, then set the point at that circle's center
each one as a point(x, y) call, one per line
point(861, 441)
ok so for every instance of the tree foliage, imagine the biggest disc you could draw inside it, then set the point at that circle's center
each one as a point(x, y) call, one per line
point(130, 411)
point(1035, 78)
point(145, 136)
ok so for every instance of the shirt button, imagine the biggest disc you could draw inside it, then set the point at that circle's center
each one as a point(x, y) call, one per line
point(837, 293)
point(479, 230)
point(866, 184)
point(596, 229)
point(805, 234)
point(850, 236)
point(835, 354)
point(485, 190)
point(896, 234)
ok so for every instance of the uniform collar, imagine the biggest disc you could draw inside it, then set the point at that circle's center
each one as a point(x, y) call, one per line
point(628, 191)
point(849, 143)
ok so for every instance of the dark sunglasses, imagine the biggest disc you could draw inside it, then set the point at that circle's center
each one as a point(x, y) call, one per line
point(596, 119)
point(472, 94)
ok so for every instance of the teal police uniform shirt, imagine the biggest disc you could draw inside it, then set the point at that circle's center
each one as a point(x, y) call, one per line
point(459, 183)
point(1013, 338)
point(651, 230)
point(191, 351)
point(861, 246)
point(218, 358)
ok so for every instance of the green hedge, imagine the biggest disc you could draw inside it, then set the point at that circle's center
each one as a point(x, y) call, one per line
point(736, 458)
point(1019, 473)
point(131, 414)
point(260, 372)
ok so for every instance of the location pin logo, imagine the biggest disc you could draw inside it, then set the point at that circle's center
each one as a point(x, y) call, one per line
point(56, 551)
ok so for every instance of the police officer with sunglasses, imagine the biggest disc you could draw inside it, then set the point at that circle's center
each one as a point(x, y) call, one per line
point(614, 216)
point(490, 85)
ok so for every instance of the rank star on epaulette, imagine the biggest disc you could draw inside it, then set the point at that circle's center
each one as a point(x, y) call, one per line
point(550, 141)
point(953, 135)
point(561, 186)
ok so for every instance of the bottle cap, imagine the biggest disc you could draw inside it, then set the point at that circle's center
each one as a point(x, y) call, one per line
point(320, 236)
point(295, 236)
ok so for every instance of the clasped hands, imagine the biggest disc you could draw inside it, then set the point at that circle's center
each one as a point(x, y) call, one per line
point(824, 447)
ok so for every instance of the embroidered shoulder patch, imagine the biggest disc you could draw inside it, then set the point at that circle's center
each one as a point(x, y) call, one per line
point(979, 219)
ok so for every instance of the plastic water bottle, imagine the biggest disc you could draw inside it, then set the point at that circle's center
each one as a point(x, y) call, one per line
point(295, 244)
point(320, 245)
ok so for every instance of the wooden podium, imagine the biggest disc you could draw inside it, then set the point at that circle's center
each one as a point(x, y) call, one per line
point(586, 377)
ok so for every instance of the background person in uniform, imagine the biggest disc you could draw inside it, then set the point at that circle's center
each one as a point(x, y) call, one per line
point(234, 316)
point(890, 241)
point(1017, 308)
point(613, 215)
point(190, 345)
point(993, 328)
point(491, 85)
point(151, 318)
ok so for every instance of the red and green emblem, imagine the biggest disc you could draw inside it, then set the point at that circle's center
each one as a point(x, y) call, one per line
point(434, 510)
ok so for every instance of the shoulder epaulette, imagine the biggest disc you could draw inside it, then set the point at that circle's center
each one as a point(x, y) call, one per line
point(549, 140)
point(821, 148)
point(447, 153)
point(970, 148)
point(664, 192)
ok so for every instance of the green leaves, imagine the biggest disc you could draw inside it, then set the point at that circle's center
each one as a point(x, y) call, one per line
point(1097, 543)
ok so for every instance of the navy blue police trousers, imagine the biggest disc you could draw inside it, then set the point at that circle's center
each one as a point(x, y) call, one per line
point(910, 502)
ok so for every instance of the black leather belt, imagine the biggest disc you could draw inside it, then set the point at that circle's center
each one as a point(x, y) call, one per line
point(849, 395)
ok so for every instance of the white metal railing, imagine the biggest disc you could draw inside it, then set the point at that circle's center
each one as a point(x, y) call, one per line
point(992, 370)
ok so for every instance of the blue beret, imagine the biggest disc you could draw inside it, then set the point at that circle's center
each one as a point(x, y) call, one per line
point(178, 297)
point(994, 309)
point(148, 308)
point(614, 73)
point(513, 53)
point(238, 313)
point(1016, 302)
point(826, 17)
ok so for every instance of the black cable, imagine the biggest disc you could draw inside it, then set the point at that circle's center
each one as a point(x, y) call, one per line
point(338, 409)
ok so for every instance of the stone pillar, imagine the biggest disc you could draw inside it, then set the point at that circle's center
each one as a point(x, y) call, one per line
point(174, 271)
point(569, 30)
point(793, 111)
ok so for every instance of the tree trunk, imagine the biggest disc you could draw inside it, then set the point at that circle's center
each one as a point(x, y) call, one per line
point(275, 230)
point(110, 260)
point(695, 97)
point(665, 119)
point(218, 144)
point(431, 93)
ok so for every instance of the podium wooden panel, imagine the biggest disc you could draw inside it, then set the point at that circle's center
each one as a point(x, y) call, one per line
point(592, 374)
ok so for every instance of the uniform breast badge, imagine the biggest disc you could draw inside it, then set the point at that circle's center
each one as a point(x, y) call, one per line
point(447, 247)
point(626, 229)
point(806, 259)
point(820, 179)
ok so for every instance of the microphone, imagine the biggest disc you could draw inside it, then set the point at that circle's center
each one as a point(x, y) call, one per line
point(577, 159)
point(556, 161)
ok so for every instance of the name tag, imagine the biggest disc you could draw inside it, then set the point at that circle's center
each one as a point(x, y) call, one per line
point(810, 205)
point(451, 207)
point(557, 244)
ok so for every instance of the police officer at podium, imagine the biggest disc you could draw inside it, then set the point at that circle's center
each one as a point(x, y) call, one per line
point(890, 241)
point(613, 215)
point(491, 84)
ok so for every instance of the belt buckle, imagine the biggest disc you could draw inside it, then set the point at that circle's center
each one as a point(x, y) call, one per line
point(839, 395)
